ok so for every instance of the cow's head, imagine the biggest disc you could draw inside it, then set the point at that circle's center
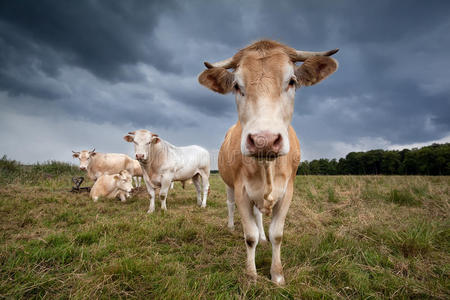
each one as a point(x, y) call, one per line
point(142, 139)
point(123, 181)
point(264, 79)
point(85, 157)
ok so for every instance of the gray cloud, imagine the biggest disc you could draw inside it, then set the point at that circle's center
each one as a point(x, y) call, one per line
point(135, 63)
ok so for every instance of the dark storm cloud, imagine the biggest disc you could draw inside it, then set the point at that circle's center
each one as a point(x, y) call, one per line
point(101, 36)
point(136, 63)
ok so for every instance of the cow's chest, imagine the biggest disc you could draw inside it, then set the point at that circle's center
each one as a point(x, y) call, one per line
point(255, 190)
point(155, 180)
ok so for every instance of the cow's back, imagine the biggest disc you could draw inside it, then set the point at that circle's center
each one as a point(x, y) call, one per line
point(110, 163)
point(190, 159)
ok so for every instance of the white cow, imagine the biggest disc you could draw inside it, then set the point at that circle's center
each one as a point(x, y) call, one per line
point(97, 164)
point(163, 163)
point(111, 186)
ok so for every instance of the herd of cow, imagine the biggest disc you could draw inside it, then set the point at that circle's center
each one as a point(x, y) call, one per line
point(258, 159)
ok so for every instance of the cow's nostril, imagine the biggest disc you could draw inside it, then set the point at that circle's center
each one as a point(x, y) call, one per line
point(250, 141)
point(278, 141)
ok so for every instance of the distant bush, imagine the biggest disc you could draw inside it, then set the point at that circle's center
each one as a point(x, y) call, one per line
point(14, 171)
point(8, 167)
point(54, 168)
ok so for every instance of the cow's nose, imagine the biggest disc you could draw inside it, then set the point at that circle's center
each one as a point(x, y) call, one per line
point(264, 144)
point(139, 156)
point(82, 168)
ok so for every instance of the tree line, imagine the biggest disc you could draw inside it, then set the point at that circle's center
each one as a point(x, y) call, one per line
point(428, 160)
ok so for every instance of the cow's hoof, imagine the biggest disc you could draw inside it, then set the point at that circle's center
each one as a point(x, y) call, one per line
point(150, 211)
point(252, 277)
point(278, 280)
point(203, 206)
point(230, 227)
point(263, 240)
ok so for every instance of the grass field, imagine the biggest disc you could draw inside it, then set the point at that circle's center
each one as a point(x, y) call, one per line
point(345, 237)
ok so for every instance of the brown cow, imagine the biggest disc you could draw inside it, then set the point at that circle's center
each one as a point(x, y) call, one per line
point(259, 157)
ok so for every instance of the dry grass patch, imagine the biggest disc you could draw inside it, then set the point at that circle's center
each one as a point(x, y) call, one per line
point(345, 237)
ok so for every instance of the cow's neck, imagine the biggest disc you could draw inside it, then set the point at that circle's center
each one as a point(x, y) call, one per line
point(158, 154)
point(91, 164)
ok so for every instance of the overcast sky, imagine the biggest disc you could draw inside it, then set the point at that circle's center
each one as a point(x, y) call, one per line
point(80, 74)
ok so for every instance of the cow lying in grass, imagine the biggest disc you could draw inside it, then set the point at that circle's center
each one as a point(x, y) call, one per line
point(97, 164)
point(111, 186)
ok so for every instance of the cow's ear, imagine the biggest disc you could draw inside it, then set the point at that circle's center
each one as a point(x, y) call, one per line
point(93, 153)
point(76, 155)
point(217, 79)
point(116, 177)
point(155, 140)
point(128, 138)
point(315, 69)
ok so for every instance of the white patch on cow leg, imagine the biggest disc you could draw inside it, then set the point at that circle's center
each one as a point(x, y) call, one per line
point(231, 207)
point(196, 181)
point(251, 234)
point(276, 235)
point(151, 192)
point(205, 188)
point(259, 223)
point(171, 185)
point(251, 241)
point(163, 199)
point(122, 197)
point(151, 207)
point(165, 185)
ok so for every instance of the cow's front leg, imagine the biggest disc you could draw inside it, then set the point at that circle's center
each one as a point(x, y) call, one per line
point(276, 234)
point(151, 192)
point(196, 180)
point(205, 188)
point(260, 224)
point(166, 181)
point(231, 206)
point(122, 196)
point(251, 233)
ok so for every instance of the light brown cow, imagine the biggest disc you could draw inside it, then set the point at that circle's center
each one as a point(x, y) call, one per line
point(111, 186)
point(259, 157)
point(97, 164)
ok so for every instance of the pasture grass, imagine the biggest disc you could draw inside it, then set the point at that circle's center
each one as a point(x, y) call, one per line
point(345, 237)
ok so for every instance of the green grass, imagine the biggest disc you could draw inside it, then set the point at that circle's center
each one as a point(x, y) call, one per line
point(345, 237)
